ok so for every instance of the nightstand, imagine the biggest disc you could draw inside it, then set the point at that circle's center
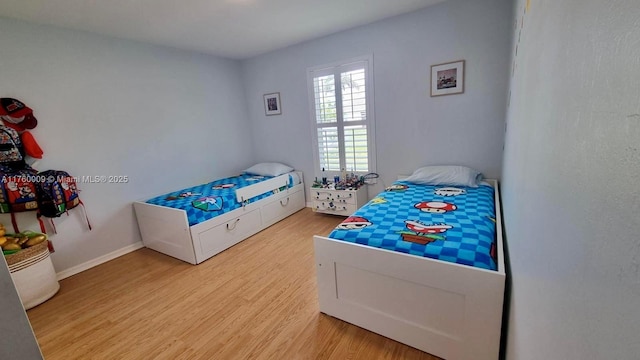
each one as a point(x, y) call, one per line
point(338, 202)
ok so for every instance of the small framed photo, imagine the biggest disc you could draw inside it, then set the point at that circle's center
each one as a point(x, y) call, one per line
point(272, 104)
point(447, 78)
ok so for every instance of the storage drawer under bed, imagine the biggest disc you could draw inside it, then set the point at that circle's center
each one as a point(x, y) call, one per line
point(279, 209)
point(223, 236)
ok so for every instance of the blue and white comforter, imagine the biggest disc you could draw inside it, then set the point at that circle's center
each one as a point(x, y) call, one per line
point(455, 224)
point(206, 201)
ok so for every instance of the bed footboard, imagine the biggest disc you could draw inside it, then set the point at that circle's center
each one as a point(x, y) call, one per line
point(165, 230)
point(445, 309)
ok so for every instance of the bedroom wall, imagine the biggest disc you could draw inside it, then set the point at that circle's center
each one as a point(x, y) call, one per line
point(413, 129)
point(570, 189)
point(164, 118)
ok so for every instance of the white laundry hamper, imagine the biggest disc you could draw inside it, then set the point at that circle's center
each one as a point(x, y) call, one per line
point(33, 275)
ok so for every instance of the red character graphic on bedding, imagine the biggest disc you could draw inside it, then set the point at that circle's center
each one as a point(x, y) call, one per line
point(354, 223)
point(422, 233)
point(435, 207)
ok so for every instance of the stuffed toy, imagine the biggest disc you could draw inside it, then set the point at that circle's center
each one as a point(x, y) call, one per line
point(16, 115)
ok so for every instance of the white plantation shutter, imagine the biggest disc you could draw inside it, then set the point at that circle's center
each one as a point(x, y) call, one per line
point(341, 95)
point(328, 146)
point(327, 119)
point(355, 148)
point(325, 99)
point(354, 102)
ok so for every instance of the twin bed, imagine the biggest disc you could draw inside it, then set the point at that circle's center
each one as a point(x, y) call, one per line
point(422, 264)
point(196, 223)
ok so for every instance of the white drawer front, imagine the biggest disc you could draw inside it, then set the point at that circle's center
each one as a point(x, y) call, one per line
point(221, 237)
point(334, 208)
point(345, 197)
point(321, 195)
point(342, 197)
point(279, 209)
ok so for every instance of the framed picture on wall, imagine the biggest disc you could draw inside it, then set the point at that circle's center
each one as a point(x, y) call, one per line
point(272, 104)
point(447, 78)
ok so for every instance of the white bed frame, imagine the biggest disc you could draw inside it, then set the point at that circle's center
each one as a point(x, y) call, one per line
point(449, 310)
point(167, 230)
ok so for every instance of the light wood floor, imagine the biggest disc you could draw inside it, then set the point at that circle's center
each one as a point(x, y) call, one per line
point(256, 300)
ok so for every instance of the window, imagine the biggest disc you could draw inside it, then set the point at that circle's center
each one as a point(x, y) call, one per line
point(341, 98)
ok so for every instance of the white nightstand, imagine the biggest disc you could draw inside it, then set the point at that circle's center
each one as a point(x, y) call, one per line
point(338, 202)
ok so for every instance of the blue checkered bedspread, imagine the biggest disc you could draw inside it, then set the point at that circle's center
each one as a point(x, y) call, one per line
point(455, 224)
point(206, 201)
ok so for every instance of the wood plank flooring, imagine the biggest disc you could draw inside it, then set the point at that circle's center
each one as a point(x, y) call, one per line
point(256, 300)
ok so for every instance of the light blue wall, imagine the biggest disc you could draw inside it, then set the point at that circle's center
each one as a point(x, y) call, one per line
point(571, 181)
point(413, 129)
point(163, 117)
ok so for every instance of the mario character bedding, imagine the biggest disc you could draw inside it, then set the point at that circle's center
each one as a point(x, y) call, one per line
point(454, 224)
point(206, 201)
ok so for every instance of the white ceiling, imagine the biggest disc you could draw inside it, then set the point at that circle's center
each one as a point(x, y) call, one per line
point(235, 29)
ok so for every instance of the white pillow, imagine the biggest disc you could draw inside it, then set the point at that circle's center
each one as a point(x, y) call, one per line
point(268, 169)
point(446, 175)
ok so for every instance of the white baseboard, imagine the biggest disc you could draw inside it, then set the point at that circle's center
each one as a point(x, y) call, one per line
point(310, 204)
point(97, 261)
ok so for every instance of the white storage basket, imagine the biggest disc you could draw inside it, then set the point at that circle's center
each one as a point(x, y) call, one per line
point(34, 275)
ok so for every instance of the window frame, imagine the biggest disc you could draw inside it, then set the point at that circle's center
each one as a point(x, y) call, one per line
point(336, 68)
